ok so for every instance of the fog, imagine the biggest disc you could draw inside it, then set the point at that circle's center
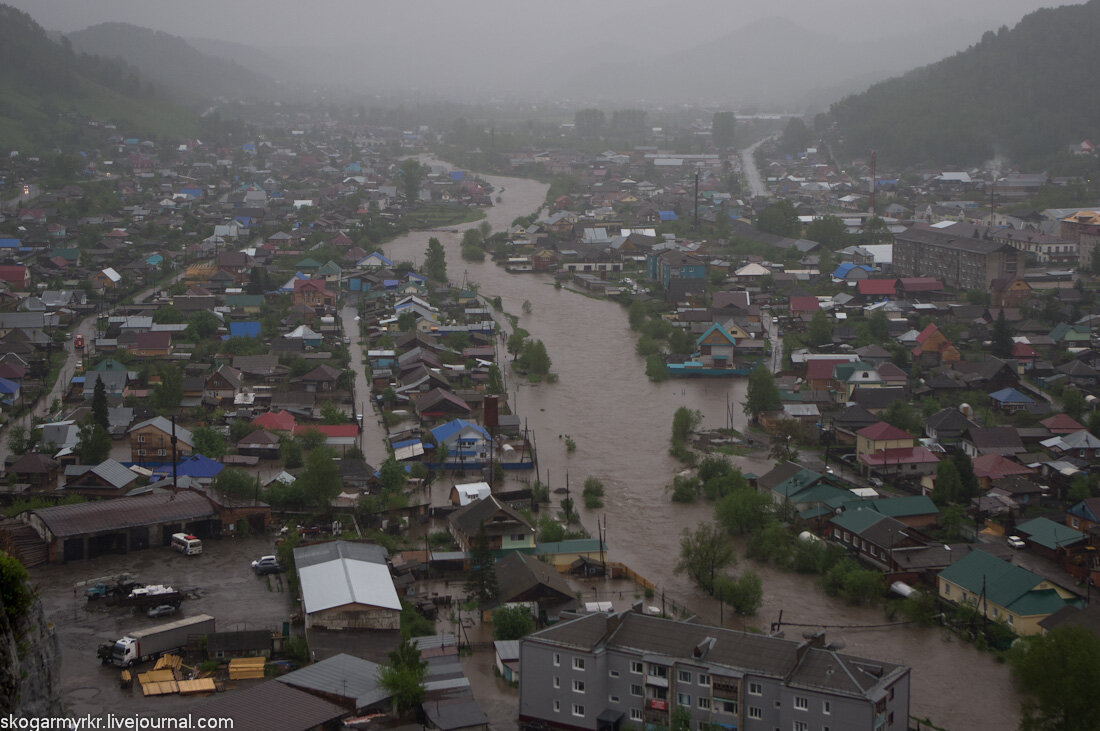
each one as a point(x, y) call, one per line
point(782, 52)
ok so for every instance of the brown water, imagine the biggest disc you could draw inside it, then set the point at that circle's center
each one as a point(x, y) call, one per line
point(621, 425)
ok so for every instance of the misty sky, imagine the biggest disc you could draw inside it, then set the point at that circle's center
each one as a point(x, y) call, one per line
point(643, 23)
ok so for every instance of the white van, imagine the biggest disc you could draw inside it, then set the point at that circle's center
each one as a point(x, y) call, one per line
point(186, 544)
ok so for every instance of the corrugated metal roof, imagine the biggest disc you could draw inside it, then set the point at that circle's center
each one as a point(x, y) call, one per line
point(331, 550)
point(343, 676)
point(341, 581)
point(128, 512)
point(271, 706)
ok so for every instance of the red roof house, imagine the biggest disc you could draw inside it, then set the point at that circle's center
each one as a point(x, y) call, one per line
point(876, 287)
point(804, 304)
point(16, 275)
point(275, 421)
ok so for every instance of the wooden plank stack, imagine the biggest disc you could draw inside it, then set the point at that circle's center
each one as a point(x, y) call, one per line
point(246, 668)
point(201, 685)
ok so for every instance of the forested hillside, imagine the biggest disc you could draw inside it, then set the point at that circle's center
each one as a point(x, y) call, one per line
point(1023, 93)
point(46, 88)
point(171, 63)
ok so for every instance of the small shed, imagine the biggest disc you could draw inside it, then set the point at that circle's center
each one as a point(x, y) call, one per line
point(507, 659)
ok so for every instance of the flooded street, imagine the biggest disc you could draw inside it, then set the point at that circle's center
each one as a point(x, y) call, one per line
point(621, 424)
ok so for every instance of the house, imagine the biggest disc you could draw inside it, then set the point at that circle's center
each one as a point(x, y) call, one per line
point(506, 656)
point(260, 443)
point(1002, 440)
point(40, 471)
point(108, 479)
point(275, 421)
point(901, 463)
point(105, 279)
point(152, 441)
point(991, 467)
point(716, 347)
point(151, 345)
point(1049, 539)
point(16, 275)
point(1002, 591)
point(506, 529)
point(464, 441)
point(1080, 444)
point(522, 578)
point(341, 436)
point(931, 344)
point(323, 378)
point(351, 681)
point(223, 384)
point(947, 425)
point(880, 436)
point(680, 275)
point(347, 586)
point(313, 293)
point(1010, 400)
point(872, 536)
point(463, 495)
point(639, 668)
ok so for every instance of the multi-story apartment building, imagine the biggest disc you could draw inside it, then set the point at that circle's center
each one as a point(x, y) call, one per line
point(1045, 249)
point(1082, 228)
point(607, 672)
point(957, 254)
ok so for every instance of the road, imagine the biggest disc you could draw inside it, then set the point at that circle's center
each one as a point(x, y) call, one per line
point(372, 438)
point(13, 204)
point(750, 172)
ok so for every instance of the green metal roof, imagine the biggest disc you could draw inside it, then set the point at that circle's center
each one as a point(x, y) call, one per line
point(857, 520)
point(814, 512)
point(1004, 583)
point(1049, 534)
point(897, 507)
point(1042, 602)
point(796, 483)
point(576, 545)
point(819, 493)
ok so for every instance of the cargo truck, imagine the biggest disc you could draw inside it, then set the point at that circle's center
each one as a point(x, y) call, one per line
point(153, 642)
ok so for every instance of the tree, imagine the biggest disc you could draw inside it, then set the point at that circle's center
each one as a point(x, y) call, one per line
point(512, 623)
point(19, 441)
point(820, 331)
point(403, 677)
point(745, 595)
point(1058, 674)
point(902, 415)
point(593, 493)
point(948, 485)
point(203, 324)
point(495, 383)
point(435, 261)
point(1073, 402)
point(392, 475)
point(481, 584)
point(291, 452)
point(410, 174)
point(743, 511)
point(311, 439)
point(99, 404)
point(637, 314)
point(514, 345)
point(684, 422)
point(534, 358)
point(780, 218)
point(785, 441)
point(761, 394)
point(331, 414)
point(829, 231)
point(169, 393)
point(588, 122)
point(796, 136)
point(703, 553)
point(1002, 336)
point(969, 480)
point(209, 442)
point(94, 443)
point(723, 127)
point(236, 483)
point(320, 482)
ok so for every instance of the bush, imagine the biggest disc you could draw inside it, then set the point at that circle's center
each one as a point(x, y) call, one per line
point(14, 592)
point(684, 489)
point(745, 595)
point(593, 493)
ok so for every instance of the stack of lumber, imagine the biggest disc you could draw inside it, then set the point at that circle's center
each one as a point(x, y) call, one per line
point(158, 682)
point(246, 668)
point(168, 662)
point(201, 685)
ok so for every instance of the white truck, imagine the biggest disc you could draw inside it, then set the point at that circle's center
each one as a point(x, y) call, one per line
point(153, 642)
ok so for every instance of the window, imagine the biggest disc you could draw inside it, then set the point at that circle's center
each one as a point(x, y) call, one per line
point(756, 689)
point(578, 686)
point(1011, 620)
point(635, 714)
point(557, 659)
point(684, 676)
point(704, 680)
point(578, 709)
point(891, 693)
point(703, 703)
point(755, 712)
point(826, 707)
point(612, 673)
point(160, 452)
point(578, 663)
point(801, 703)
point(683, 699)
point(636, 690)
point(141, 439)
point(557, 682)
point(947, 589)
point(612, 699)
point(635, 667)
point(800, 726)
point(729, 707)
point(518, 537)
point(658, 671)
point(557, 706)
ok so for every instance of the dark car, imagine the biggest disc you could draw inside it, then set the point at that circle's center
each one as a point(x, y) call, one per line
point(267, 565)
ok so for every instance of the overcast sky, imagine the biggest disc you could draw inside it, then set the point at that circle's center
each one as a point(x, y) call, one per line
point(309, 22)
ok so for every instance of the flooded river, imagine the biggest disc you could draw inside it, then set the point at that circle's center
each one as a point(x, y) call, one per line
point(621, 424)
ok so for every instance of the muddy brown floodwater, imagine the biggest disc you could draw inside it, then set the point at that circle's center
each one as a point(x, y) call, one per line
point(621, 425)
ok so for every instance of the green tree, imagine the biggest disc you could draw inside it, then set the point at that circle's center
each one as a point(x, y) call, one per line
point(435, 261)
point(1073, 402)
point(1058, 674)
point(743, 511)
point(829, 231)
point(392, 475)
point(94, 443)
point(515, 342)
point(99, 404)
point(403, 677)
point(589, 122)
point(1002, 336)
point(290, 450)
point(203, 324)
point(637, 314)
point(705, 552)
point(410, 173)
point(745, 595)
point(512, 623)
point(948, 486)
point(780, 218)
point(593, 493)
point(236, 483)
point(168, 315)
point(723, 127)
point(902, 415)
point(819, 331)
point(535, 359)
point(495, 383)
point(332, 414)
point(761, 395)
point(796, 136)
point(320, 482)
point(209, 442)
point(311, 438)
point(167, 396)
point(684, 422)
point(967, 477)
point(481, 584)
point(19, 441)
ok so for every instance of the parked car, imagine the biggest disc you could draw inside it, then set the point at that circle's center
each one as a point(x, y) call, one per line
point(1015, 542)
point(161, 610)
point(267, 565)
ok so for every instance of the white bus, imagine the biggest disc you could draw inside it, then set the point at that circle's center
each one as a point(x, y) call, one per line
point(186, 544)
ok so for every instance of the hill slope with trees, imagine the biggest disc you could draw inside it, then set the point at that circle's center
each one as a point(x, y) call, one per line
point(1024, 93)
point(46, 88)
